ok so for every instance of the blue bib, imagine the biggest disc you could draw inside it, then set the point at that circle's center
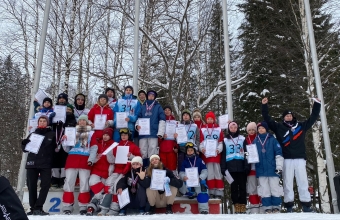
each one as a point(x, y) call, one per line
point(235, 150)
point(127, 105)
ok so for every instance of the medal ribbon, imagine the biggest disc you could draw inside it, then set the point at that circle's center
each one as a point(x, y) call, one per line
point(79, 114)
point(149, 108)
point(134, 182)
point(191, 163)
point(210, 133)
point(265, 140)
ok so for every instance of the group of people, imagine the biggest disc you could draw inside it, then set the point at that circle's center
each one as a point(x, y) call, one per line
point(103, 178)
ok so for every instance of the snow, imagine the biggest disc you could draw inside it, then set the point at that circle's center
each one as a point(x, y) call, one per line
point(283, 216)
point(264, 92)
point(253, 94)
point(283, 75)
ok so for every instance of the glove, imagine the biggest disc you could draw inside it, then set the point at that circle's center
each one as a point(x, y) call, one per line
point(203, 182)
point(166, 179)
point(204, 186)
point(278, 172)
point(25, 141)
point(51, 115)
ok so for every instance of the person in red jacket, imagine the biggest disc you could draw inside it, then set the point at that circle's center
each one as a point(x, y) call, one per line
point(80, 157)
point(109, 205)
point(168, 147)
point(100, 111)
point(212, 131)
point(101, 170)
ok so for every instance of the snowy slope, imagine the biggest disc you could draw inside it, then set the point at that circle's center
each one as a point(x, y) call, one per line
point(295, 216)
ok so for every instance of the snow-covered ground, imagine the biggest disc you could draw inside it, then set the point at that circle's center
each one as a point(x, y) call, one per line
point(295, 216)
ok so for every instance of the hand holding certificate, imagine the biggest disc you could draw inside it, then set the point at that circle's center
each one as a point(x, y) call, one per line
point(182, 135)
point(144, 123)
point(99, 121)
point(35, 143)
point(33, 123)
point(157, 179)
point(120, 120)
point(170, 130)
point(192, 174)
point(223, 121)
point(210, 148)
point(70, 133)
point(253, 155)
point(60, 113)
point(124, 198)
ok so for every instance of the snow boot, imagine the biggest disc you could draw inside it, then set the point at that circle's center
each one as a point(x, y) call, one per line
point(169, 209)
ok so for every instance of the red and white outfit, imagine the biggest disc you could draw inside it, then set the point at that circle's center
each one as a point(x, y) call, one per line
point(110, 200)
point(166, 148)
point(214, 180)
point(76, 164)
point(100, 110)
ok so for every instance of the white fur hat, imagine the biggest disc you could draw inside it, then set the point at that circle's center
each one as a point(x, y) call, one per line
point(137, 159)
point(154, 156)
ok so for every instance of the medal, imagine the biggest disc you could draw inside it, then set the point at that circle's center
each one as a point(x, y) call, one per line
point(263, 150)
point(133, 190)
point(149, 108)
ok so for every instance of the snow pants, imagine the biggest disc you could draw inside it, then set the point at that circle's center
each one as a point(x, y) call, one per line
point(214, 180)
point(98, 186)
point(84, 190)
point(239, 188)
point(297, 168)
point(160, 200)
point(254, 198)
point(270, 191)
point(169, 159)
point(148, 147)
point(110, 199)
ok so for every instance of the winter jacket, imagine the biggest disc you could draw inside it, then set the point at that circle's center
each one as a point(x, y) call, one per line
point(193, 134)
point(10, 205)
point(43, 159)
point(211, 131)
point(292, 142)
point(101, 165)
point(194, 161)
point(271, 159)
point(133, 149)
point(167, 145)
point(131, 106)
point(112, 103)
point(232, 157)
point(126, 181)
point(157, 119)
point(97, 109)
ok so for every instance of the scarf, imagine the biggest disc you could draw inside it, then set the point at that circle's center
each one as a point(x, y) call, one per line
point(82, 134)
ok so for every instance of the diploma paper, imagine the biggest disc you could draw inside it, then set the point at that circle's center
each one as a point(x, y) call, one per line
point(115, 144)
point(99, 121)
point(170, 130)
point(60, 113)
point(157, 179)
point(120, 120)
point(182, 135)
point(228, 177)
point(124, 198)
point(70, 133)
point(40, 95)
point(33, 123)
point(35, 142)
point(192, 174)
point(121, 154)
point(144, 123)
point(210, 148)
point(223, 121)
point(253, 155)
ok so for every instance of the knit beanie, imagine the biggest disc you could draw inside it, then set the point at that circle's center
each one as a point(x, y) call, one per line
point(197, 113)
point(83, 117)
point(46, 117)
point(71, 107)
point(137, 159)
point(154, 156)
point(47, 99)
point(286, 112)
point(210, 115)
point(263, 124)
point(110, 89)
point(128, 87)
point(251, 125)
point(103, 96)
point(64, 96)
point(108, 131)
point(167, 106)
point(186, 111)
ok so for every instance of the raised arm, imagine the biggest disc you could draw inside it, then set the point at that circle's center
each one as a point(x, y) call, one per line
point(265, 114)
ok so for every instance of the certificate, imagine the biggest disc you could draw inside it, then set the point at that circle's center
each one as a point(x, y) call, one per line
point(182, 135)
point(35, 142)
point(40, 95)
point(253, 155)
point(33, 123)
point(170, 130)
point(70, 133)
point(115, 144)
point(192, 174)
point(144, 123)
point(99, 121)
point(120, 120)
point(223, 121)
point(157, 179)
point(210, 148)
point(228, 177)
point(124, 198)
point(121, 154)
point(60, 113)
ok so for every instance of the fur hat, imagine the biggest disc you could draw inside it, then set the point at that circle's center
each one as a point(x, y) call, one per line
point(47, 99)
point(62, 96)
point(154, 156)
point(103, 96)
point(152, 92)
point(186, 111)
point(108, 131)
point(167, 106)
point(46, 117)
point(251, 125)
point(197, 112)
point(210, 115)
point(263, 124)
point(137, 159)
point(128, 87)
point(84, 117)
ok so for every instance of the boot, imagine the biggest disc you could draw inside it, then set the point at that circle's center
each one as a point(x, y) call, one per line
point(90, 211)
point(289, 207)
point(151, 211)
point(236, 208)
point(307, 209)
point(169, 209)
point(40, 212)
point(242, 209)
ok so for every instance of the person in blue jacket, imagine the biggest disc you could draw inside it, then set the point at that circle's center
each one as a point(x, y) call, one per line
point(269, 169)
point(131, 106)
point(151, 109)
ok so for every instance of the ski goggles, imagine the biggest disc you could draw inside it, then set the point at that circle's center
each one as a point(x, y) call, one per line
point(189, 144)
point(124, 131)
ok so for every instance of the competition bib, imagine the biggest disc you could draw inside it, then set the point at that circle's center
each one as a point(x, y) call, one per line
point(211, 133)
point(191, 131)
point(127, 105)
point(234, 148)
